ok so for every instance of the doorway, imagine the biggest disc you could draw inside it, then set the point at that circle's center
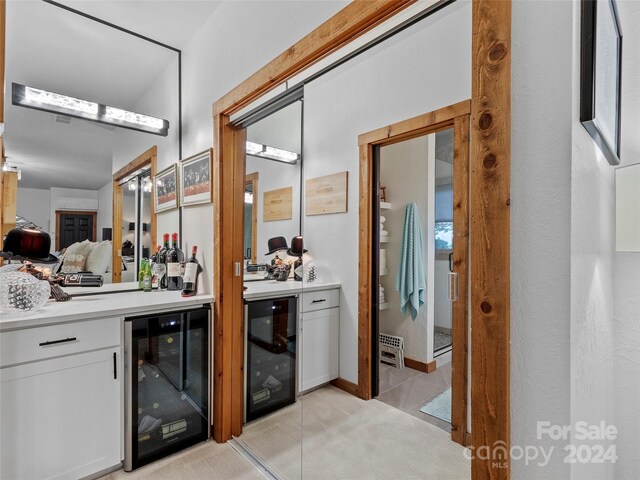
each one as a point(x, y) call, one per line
point(72, 227)
point(416, 176)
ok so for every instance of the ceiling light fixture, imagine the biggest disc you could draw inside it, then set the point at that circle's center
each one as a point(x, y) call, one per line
point(37, 99)
point(272, 153)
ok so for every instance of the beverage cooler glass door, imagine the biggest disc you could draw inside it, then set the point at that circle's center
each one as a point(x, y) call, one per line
point(270, 356)
point(167, 384)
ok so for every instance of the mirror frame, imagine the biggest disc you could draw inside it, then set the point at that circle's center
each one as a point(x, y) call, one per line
point(148, 158)
point(252, 178)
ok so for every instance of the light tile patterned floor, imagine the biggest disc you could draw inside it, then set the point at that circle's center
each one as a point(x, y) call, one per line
point(409, 390)
point(345, 438)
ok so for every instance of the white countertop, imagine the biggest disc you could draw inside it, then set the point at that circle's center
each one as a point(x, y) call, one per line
point(101, 306)
point(273, 288)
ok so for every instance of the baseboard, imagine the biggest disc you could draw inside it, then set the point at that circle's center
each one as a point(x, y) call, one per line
point(345, 385)
point(420, 366)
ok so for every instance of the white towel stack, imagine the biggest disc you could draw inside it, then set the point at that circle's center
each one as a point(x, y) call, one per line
point(383, 260)
point(381, 298)
point(383, 233)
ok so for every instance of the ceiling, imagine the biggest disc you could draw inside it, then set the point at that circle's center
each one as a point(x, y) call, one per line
point(56, 50)
point(174, 21)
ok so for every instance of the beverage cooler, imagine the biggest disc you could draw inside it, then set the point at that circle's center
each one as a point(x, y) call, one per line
point(270, 355)
point(166, 384)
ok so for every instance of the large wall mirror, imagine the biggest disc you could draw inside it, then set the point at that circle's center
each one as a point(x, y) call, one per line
point(272, 186)
point(80, 105)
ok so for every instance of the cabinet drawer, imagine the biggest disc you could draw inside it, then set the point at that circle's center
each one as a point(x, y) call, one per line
point(319, 300)
point(38, 343)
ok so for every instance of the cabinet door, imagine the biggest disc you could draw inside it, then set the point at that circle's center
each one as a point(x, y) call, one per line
point(319, 347)
point(60, 418)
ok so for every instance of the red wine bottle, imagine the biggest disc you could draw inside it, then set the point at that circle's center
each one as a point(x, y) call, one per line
point(175, 261)
point(162, 258)
point(191, 271)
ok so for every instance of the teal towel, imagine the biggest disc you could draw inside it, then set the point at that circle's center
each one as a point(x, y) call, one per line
point(411, 280)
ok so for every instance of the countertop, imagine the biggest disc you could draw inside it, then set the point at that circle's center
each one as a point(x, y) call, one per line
point(100, 306)
point(272, 288)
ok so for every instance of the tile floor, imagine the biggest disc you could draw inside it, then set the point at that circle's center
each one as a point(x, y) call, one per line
point(409, 390)
point(344, 438)
point(209, 460)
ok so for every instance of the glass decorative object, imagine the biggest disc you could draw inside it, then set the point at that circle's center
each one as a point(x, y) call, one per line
point(21, 292)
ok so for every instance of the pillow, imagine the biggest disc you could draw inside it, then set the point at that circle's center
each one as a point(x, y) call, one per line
point(75, 257)
point(99, 257)
point(73, 263)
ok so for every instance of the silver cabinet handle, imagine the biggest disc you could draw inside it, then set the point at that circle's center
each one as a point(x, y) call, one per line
point(319, 301)
point(238, 268)
point(453, 286)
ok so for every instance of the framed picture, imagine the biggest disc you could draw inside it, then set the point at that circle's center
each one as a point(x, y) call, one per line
point(600, 75)
point(196, 179)
point(166, 189)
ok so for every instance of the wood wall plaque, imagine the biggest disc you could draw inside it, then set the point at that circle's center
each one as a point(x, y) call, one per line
point(278, 204)
point(326, 194)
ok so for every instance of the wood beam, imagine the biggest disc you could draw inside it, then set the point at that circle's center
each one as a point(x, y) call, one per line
point(490, 222)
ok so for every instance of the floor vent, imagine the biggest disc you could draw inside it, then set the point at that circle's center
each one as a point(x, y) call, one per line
point(392, 350)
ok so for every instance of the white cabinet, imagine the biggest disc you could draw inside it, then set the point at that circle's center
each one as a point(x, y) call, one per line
point(320, 333)
point(60, 417)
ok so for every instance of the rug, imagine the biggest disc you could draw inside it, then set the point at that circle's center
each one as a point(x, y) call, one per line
point(439, 406)
point(440, 341)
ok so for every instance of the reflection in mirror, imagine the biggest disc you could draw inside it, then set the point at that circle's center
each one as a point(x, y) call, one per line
point(273, 158)
point(250, 217)
point(65, 161)
point(272, 355)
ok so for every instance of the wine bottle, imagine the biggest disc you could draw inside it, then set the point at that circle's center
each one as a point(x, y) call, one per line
point(191, 271)
point(162, 258)
point(175, 260)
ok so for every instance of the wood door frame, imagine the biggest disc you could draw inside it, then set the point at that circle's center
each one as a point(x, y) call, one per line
point(454, 117)
point(488, 199)
point(94, 214)
point(253, 179)
point(147, 158)
point(349, 23)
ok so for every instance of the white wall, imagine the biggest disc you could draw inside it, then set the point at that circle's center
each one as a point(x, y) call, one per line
point(211, 66)
point(271, 176)
point(592, 247)
point(105, 209)
point(426, 67)
point(404, 170)
point(626, 285)
point(562, 198)
point(33, 205)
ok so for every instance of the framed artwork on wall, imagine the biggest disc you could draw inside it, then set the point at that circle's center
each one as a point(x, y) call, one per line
point(166, 191)
point(601, 75)
point(196, 179)
point(328, 194)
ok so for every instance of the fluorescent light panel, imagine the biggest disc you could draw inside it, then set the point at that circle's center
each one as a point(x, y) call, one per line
point(38, 99)
point(272, 153)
